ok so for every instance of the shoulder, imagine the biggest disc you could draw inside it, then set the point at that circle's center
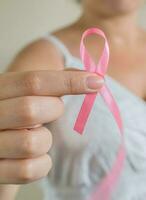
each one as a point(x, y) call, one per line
point(39, 54)
point(42, 54)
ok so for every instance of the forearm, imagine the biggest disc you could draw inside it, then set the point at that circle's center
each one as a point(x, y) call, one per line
point(8, 192)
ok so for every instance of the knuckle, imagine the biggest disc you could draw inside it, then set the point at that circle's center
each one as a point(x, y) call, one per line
point(29, 146)
point(31, 82)
point(69, 84)
point(48, 140)
point(26, 174)
point(29, 170)
point(34, 144)
point(28, 113)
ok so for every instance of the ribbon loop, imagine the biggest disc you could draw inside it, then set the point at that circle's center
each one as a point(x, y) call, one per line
point(101, 67)
point(105, 188)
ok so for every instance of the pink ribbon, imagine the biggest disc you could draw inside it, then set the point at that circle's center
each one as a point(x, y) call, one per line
point(105, 189)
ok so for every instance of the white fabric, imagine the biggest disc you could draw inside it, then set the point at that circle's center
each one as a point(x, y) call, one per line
point(79, 162)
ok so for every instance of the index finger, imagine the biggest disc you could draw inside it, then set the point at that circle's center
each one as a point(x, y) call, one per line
point(48, 83)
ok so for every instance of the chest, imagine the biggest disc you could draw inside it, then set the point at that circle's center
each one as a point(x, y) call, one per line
point(127, 63)
point(129, 68)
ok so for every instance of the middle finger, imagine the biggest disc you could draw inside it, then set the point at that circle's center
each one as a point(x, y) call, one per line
point(25, 143)
point(29, 111)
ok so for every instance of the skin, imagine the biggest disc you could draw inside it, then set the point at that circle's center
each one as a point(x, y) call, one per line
point(128, 47)
point(35, 91)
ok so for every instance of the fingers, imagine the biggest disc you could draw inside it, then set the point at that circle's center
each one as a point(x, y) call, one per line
point(25, 143)
point(23, 155)
point(29, 111)
point(24, 171)
point(44, 83)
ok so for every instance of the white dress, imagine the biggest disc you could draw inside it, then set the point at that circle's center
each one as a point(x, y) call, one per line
point(79, 162)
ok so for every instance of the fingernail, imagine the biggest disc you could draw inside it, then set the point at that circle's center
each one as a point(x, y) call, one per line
point(94, 82)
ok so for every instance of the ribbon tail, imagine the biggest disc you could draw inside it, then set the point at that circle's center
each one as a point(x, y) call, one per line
point(105, 188)
point(84, 112)
point(112, 105)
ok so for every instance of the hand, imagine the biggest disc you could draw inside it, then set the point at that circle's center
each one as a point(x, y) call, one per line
point(28, 100)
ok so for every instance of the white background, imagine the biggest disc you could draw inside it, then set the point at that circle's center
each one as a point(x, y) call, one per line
point(24, 20)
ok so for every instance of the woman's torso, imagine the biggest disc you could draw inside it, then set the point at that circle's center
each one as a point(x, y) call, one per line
point(79, 162)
